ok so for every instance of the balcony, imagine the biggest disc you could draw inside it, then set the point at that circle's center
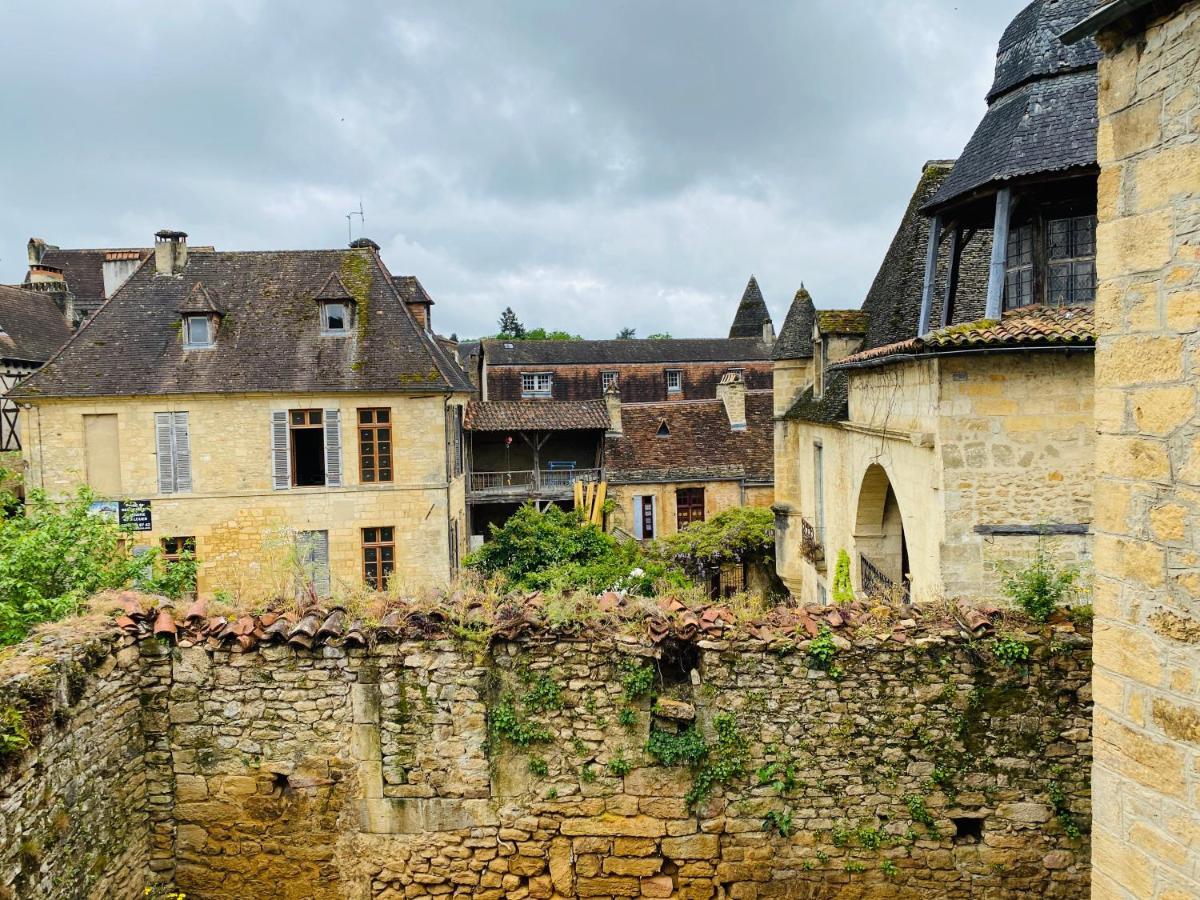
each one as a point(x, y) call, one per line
point(875, 584)
point(519, 485)
point(812, 543)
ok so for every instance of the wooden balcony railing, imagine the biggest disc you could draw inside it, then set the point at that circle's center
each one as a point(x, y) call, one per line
point(520, 484)
point(812, 542)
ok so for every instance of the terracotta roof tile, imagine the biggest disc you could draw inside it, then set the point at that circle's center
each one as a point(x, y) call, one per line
point(536, 415)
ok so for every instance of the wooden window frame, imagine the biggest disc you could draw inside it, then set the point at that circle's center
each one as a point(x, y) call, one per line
point(535, 380)
point(370, 457)
point(685, 501)
point(174, 547)
point(376, 542)
point(1073, 259)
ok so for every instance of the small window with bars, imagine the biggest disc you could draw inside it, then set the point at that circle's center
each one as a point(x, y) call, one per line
point(379, 556)
point(536, 384)
point(674, 381)
point(1018, 275)
point(375, 445)
point(1072, 260)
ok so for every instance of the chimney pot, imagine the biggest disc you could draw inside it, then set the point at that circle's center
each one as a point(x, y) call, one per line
point(170, 252)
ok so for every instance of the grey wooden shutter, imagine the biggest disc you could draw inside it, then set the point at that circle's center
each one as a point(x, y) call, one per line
point(333, 448)
point(279, 449)
point(320, 558)
point(164, 446)
point(183, 454)
point(637, 516)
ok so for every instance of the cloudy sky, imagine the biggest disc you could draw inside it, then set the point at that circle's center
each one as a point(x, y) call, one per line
point(593, 165)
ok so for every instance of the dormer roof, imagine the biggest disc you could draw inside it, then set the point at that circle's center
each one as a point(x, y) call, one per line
point(334, 289)
point(200, 300)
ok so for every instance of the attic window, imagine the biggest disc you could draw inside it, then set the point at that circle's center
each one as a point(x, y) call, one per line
point(197, 331)
point(663, 430)
point(536, 384)
point(674, 381)
point(335, 317)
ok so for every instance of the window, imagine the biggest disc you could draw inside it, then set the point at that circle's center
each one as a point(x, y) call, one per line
point(379, 556)
point(663, 430)
point(741, 372)
point(689, 506)
point(674, 381)
point(174, 450)
point(375, 445)
point(312, 551)
point(819, 367)
point(103, 454)
point(197, 332)
point(1072, 253)
point(536, 384)
point(335, 317)
point(174, 547)
point(643, 518)
point(1018, 281)
point(607, 380)
point(306, 448)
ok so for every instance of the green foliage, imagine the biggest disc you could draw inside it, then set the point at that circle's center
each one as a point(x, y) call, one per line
point(510, 325)
point(14, 736)
point(853, 866)
point(628, 718)
point(587, 774)
point(779, 822)
point(637, 680)
point(1062, 810)
point(538, 766)
point(843, 589)
point(741, 534)
point(1010, 650)
point(871, 838)
point(544, 694)
point(688, 747)
point(507, 724)
point(53, 556)
point(1041, 586)
point(840, 835)
point(888, 868)
point(173, 580)
point(822, 651)
point(619, 765)
point(724, 761)
point(541, 334)
point(557, 550)
point(1082, 614)
point(626, 334)
point(659, 336)
point(920, 813)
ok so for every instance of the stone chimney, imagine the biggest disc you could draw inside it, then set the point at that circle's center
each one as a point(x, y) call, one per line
point(36, 249)
point(170, 252)
point(612, 399)
point(732, 392)
point(768, 333)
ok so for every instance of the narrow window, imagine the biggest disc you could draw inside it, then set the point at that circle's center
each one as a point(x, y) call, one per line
point(607, 380)
point(375, 445)
point(307, 439)
point(674, 381)
point(819, 488)
point(173, 447)
point(173, 548)
point(1072, 260)
point(197, 332)
point(689, 506)
point(459, 451)
point(335, 317)
point(103, 451)
point(536, 384)
point(819, 363)
point(643, 512)
point(1018, 281)
point(312, 552)
point(379, 556)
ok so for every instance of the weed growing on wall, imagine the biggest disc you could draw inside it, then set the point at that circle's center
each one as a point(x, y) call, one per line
point(1042, 586)
point(14, 736)
point(843, 589)
point(1010, 650)
point(712, 764)
point(780, 822)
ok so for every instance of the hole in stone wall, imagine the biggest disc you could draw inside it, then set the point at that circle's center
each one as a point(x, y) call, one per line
point(677, 661)
point(279, 783)
point(968, 830)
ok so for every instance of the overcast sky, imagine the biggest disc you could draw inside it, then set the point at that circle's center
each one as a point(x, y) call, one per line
point(592, 164)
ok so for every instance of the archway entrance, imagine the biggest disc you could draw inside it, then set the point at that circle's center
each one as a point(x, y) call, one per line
point(883, 567)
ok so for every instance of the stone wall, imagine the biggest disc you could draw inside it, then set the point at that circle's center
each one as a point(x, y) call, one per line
point(76, 807)
point(1147, 776)
point(718, 497)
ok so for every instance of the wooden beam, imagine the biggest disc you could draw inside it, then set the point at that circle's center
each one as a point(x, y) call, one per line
point(931, 254)
point(952, 276)
point(995, 294)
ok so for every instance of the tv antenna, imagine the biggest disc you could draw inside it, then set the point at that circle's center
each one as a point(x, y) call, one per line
point(349, 221)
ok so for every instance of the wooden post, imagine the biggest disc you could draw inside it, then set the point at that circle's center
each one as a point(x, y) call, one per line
point(952, 276)
point(931, 254)
point(995, 294)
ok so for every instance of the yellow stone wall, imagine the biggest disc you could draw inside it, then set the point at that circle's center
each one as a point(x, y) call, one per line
point(1146, 778)
point(241, 524)
point(718, 497)
point(792, 377)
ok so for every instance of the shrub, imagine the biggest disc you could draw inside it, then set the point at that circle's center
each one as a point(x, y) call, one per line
point(1041, 586)
point(843, 589)
point(743, 534)
point(1010, 650)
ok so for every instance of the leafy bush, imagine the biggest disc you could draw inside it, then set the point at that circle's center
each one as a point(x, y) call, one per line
point(742, 534)
point(843, 589)
point(173, 580)
point(1010, 650)
point(53, 556)
point(558, 550)
point(1042, 586)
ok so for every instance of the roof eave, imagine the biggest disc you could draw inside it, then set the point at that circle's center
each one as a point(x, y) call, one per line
point(1110, 15)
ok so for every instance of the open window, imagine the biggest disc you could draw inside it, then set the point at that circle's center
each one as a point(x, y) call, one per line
point(307, 438)
point(306, 448)
point(335, 317)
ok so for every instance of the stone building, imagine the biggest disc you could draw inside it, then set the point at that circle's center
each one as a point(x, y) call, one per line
point(1146, 779)
point(947, 428)
point(32, 328)
point(285, 415)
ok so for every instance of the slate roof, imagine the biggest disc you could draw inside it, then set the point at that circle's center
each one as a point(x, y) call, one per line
point(32, 327)
point(1041, 116)
point(268, 340)
point(675, 350)
point(1034, 326)
point(411, 290)
point(832, 406)
point(795, 337)
point(752, 313)
point(536, 415)
point(842, 321)
point(700, 445)
point(83, 269)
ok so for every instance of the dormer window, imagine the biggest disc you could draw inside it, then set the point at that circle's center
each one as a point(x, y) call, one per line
point(335, 317)
point(197, 332)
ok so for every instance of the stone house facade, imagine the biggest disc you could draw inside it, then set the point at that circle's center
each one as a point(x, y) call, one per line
point(32, 328)
point(1146, 786)
point(280, 414)
point(953, 433)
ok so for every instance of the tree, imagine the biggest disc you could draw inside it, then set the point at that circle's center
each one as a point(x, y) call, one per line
point(541, 334)
point(660, 336)
point(626, 334)
point(510, 325)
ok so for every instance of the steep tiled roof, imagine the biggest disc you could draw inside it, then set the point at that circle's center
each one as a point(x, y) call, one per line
point(268, 340)
point(536, 415)
point(752, 313)
point(795, 338)
point(1029, 327)
point(842, 321)
point(832, 406)
point(411, 290)
point(675, 350)
point(32, 327)
point(84, 268)
point(698, 443)
point(1041, 116)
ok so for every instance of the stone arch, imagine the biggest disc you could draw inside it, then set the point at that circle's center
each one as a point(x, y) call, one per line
point(879, 530)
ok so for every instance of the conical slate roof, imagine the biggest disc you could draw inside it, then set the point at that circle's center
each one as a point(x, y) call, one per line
point(795, 338)
point(752, 313)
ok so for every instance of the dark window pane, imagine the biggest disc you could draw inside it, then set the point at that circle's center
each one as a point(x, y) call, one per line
point(368, 474)
point(366, 434)
point(383, 415)
point(298, 417)
point(369, 535)
point(364, 416)
point(1060, 239)
point(386, 554)
point(385, 535)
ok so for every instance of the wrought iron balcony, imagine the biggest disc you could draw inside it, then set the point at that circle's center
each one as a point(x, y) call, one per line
point(527, 484)
point(812, 543)
point(876, 584)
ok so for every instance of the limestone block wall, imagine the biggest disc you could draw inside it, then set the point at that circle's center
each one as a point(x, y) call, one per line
point(76, 793)
point(718, 497)
point(1147, 775)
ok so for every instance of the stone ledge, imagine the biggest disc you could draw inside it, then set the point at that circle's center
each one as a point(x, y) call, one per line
point(411, 816)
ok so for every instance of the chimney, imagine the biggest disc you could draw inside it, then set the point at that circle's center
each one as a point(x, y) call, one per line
point(768, 333)
point(612, 399)
point(36, 249)
point(732, 392)
point(170, 252)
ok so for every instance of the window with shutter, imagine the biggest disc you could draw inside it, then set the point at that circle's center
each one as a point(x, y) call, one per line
point(281, 467)
point(174, 450)
point(333, 447)
point(312, 550)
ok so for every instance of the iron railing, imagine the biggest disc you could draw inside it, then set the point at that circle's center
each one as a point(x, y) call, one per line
point(812, 542)
point(530, 482)
point(876, 584)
